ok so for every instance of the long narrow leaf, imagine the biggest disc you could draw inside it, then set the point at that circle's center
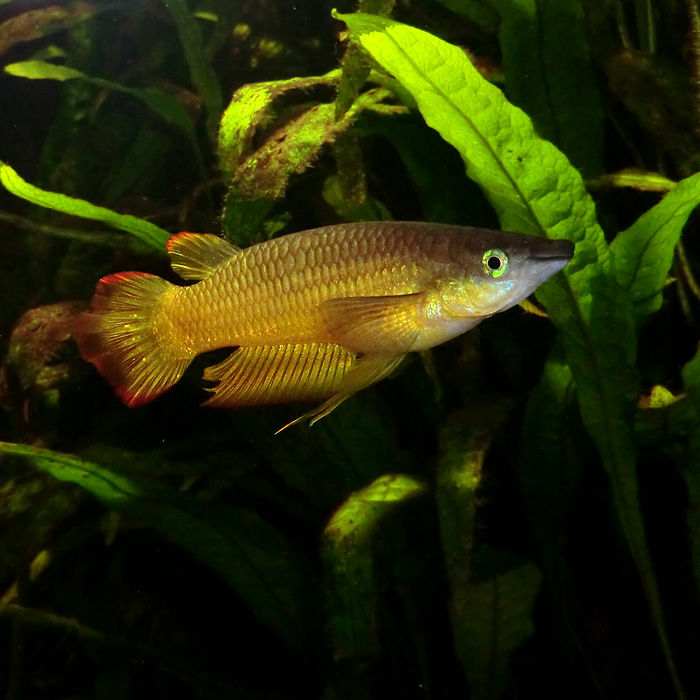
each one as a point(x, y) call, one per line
point(144, 230)
point(202, 74)
point(252, 557)
point(166, 106)
point(643, 254)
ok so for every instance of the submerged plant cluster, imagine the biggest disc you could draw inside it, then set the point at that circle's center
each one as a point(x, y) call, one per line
point(518, 515)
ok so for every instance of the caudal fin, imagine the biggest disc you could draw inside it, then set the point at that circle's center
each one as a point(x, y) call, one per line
point(118, 336)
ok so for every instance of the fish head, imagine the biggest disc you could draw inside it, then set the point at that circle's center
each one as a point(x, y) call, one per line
point(494, 270)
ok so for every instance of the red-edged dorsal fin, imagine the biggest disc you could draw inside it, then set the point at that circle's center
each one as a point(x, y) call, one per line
point(118, 336)
point(378, 325)
point(278, 374)
point(195, 256)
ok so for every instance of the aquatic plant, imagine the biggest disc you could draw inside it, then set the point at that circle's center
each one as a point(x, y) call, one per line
point(521, 518)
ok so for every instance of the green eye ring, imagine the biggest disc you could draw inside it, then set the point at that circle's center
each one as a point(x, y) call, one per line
point(495, 262)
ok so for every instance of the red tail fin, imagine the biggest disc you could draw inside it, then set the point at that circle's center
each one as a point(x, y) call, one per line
point(117, 336)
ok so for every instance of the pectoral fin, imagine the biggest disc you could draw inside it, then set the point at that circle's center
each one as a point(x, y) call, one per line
point(366, 371)
point(374, 325)
point(278, 374)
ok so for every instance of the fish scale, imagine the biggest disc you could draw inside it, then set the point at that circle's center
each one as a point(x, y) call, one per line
point(317, 314)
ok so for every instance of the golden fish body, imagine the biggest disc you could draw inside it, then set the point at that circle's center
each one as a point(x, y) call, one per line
point(313, 314)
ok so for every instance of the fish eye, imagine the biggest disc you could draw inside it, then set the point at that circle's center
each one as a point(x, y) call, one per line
point(495, 262)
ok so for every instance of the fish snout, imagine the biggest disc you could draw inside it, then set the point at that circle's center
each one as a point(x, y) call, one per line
point(559, 250)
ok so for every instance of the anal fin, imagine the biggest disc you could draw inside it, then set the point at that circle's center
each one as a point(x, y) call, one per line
point(366, 371)
point(278, 374)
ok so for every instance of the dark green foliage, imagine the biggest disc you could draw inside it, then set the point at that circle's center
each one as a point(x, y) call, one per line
point(520, 520)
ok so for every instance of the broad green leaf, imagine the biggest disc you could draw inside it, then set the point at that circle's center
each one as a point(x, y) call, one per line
point(202, 74)
point(348, 561)
point(262, 177)
point(643, 254)
point(548, 74)
point(42, 70)
point(463, 444)
point(155, 236)
point(534, 189)
point(497, 620)
point(249, 109)
point(252, 557)
point(528, 181)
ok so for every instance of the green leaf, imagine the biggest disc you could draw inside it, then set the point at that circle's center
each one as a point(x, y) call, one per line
point(691, 466)
point(348, 561)
point(148, 148)
point(436, 173)
point(691, 379)
point(637, 179)
point(32, 509)
point(643, 254)
point(96, 237)
point(530, 184)
point(480, 12)
point(167, 107)
point(534, 189)
point(463, 444)
point(202, 74)
point(547, 474)
point(261, 178)
point(548, 73)
point(252, 557)
point(155, 236)
point(497, 620)
point(550, 466)
point(249, 109)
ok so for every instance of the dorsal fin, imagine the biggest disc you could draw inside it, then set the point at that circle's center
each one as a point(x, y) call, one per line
point(195, 256)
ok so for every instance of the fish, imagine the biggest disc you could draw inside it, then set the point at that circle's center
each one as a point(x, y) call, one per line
point(316, 315)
